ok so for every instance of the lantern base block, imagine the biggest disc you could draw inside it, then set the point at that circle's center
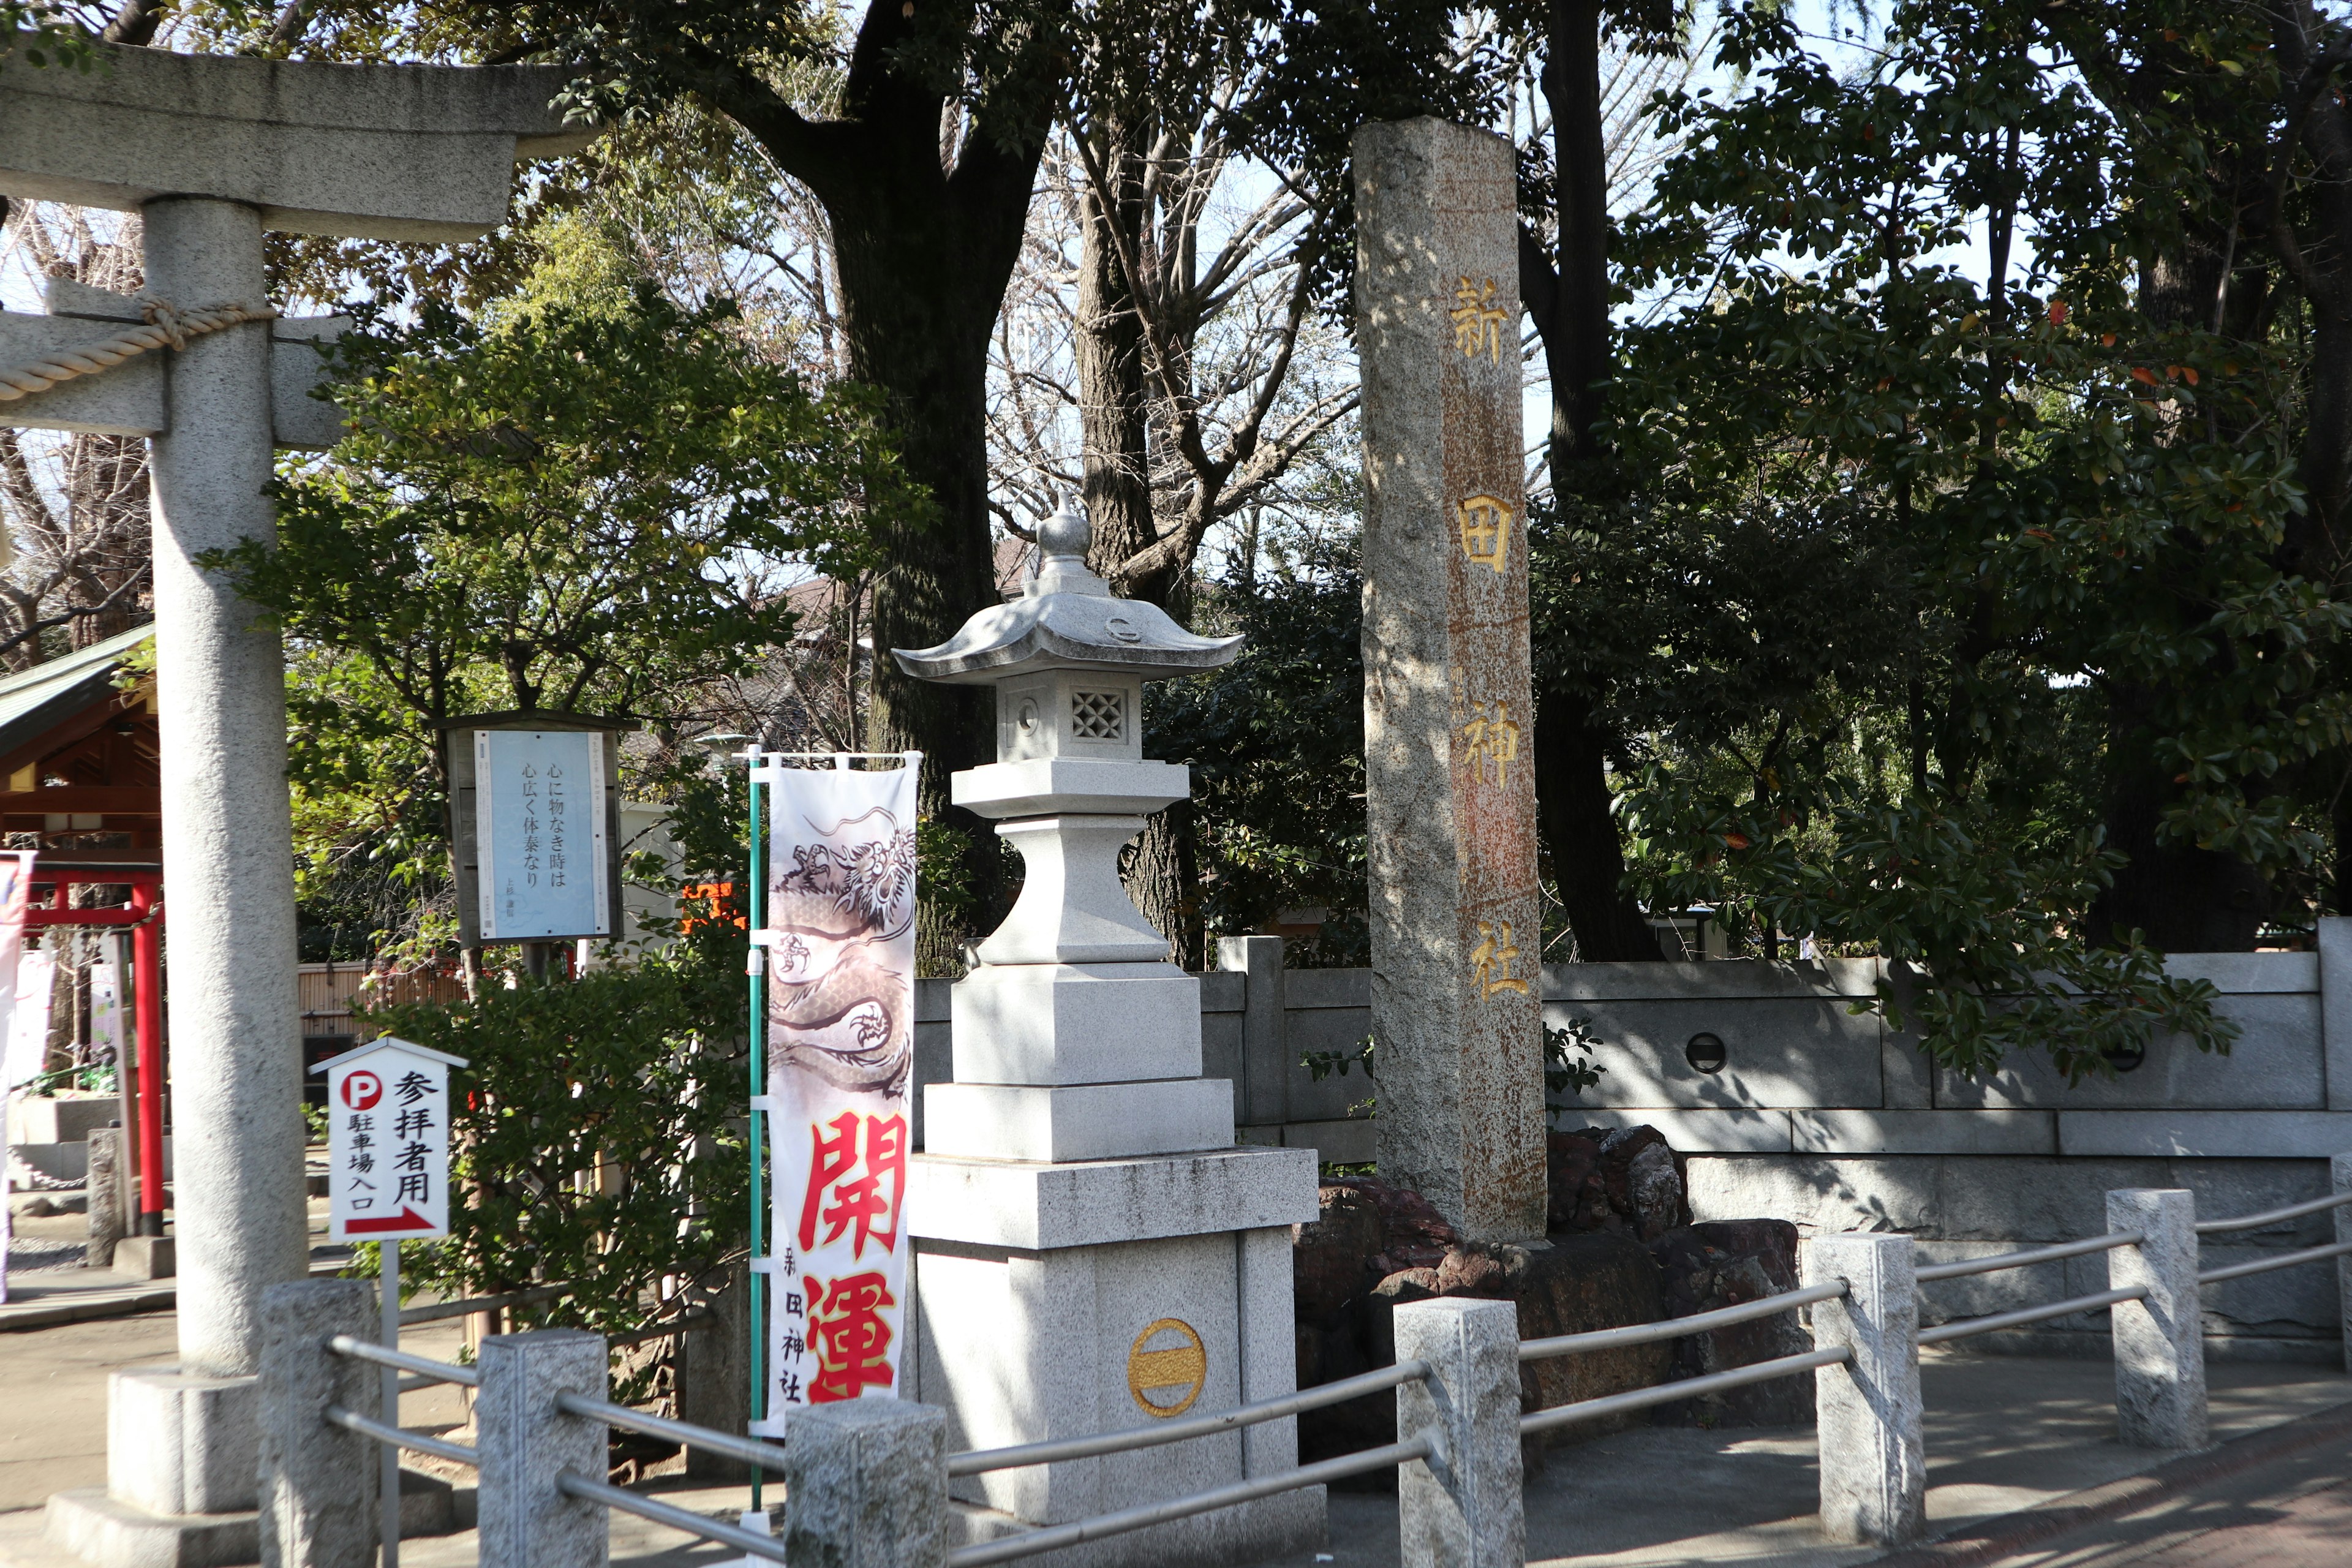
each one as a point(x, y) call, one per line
point(1168, 1294)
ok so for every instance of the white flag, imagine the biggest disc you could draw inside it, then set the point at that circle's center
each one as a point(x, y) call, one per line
point(841, 1056)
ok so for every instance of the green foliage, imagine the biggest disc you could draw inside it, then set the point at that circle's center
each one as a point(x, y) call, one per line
point(591, 502)
point(1275, 743)
point(593, 1135)
point(49, 36)
point(1567, 1073)
point(1938, 612)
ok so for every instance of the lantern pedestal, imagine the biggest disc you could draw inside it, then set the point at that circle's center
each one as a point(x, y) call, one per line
point(1065, 1299)
point(1091, 1253)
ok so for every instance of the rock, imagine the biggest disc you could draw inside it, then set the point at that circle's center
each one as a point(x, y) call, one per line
point(1595, 1186)
point(1467, 1272)
point(1655, 1189)
point(1725, 1262)
point(1575, 1284)
point(1573, 1176)
point(1578, 1284)
point(1414, 1234)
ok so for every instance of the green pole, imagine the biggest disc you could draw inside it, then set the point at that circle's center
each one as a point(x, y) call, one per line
point(757, 904)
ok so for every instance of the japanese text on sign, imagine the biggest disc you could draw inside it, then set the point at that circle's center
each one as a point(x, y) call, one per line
point(388, 1142)
point(838, 943)
point(539, 802)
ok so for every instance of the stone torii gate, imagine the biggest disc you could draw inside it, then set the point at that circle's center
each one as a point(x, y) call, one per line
point(212, 150)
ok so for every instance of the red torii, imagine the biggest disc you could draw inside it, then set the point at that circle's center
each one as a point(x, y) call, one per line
point(144, 916)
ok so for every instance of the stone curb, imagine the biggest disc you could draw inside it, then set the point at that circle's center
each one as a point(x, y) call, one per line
point(86, 1306)
point(1994, 1539)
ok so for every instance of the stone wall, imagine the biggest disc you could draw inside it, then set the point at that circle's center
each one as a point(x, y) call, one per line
point(1824, 1117)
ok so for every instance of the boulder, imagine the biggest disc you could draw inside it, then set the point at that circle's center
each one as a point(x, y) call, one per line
point(1414, 1234)
point(1624, 1179)
point(1577, 1283)
point(1725, 1262)
point(1656, 1190)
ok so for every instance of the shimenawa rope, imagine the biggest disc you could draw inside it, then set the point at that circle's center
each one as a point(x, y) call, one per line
point(166, 327)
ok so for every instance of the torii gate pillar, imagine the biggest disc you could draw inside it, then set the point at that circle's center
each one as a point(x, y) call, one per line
point(213, 150)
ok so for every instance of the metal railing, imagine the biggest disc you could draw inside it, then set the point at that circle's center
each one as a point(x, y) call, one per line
point(1029, 1542)
point(438, 1311)
point(1457, 1413)
point(750, 1450)
point(767, 1548)
point(428, 1372)
point(978, 1461)
point(401, 1437)
point(1597, 1409)
point(2031, 1255)
point(2274, 1216)
point(2264, 1265)
point(1683, 1388)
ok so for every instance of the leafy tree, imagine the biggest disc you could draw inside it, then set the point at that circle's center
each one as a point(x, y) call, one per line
point(1276, 742)
point(593, 1132)
point(2075, 684)
point(583, 508)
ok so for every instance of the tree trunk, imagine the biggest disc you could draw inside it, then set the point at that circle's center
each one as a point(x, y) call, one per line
point(1569, 305)
point(1115, 419)
point(1575, 327)
point(2182, 897)
point(924, 239)
point(1587, 859)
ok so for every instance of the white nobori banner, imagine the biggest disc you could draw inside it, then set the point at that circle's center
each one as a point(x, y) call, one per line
point(840, 941)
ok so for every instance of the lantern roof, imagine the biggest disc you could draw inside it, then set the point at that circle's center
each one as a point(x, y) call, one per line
point(1067, 618)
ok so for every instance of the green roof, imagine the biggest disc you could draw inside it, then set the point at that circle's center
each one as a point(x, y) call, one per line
point(48, 694)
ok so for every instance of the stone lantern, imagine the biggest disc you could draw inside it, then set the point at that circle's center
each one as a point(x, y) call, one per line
point(1092, 1252)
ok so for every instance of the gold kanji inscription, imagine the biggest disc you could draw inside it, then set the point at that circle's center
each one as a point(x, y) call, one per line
point(1493, 737)
point(1477, 321)
point(1485, 530)
point(1491, 960)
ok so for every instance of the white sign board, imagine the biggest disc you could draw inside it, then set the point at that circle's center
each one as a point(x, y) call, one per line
point(388, 1142)
point(538, 831)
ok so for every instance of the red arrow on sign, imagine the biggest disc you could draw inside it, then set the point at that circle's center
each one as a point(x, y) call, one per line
point(406, 1219)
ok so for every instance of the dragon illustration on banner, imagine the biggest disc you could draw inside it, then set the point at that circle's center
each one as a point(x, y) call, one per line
point(841, 997)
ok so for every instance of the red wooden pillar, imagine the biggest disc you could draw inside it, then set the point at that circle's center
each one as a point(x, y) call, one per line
point(147, 972)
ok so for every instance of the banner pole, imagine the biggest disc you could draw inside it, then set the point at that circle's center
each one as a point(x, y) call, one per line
point(756, 906)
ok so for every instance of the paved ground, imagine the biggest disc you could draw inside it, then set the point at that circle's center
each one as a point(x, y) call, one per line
point(2295, 1511)
point(2004, 1434)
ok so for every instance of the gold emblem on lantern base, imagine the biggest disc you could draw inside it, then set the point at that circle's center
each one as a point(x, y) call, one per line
point(1180, 1366)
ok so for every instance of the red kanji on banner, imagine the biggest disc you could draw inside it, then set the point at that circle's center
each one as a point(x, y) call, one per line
point(851, 1339)
point(871, 1201)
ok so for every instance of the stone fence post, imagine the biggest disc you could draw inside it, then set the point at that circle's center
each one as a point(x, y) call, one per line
point(318, 1483)
point(867, 1480)
point(1463, 1506)
point(2340, 1169)
point(1265, 1053)
point(526, 1442)
point(1873, 1460)
point(2161, 1339)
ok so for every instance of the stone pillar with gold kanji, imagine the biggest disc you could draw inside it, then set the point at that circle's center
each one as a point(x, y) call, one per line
point(1448, 711)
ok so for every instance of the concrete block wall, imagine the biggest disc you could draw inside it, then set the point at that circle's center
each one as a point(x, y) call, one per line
point(1830, 1119)
point(1825, 1117)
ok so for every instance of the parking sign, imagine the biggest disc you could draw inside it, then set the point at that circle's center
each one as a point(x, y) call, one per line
point(388, 1141)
